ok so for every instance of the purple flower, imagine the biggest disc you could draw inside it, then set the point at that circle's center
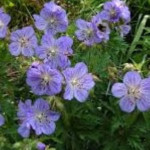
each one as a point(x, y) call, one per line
point(2, 120)
point(41, 146)
point(124, 29)
point(125, 12)
point(38, 117)
point(78, 82)
point(55, 52)
point(112, 12)
point(86, 32)
point(24, 114)
point(23, 42)
point(101, 27)
point(43, 119)
point(4, 21)
point(134, 91)
point(52, 19)
point(44, 80)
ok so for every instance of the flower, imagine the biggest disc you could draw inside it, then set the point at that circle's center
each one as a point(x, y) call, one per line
point(52, 19)
point(2, 120)
point(43, 119)
point(112, 12)
point(23, 42)
point(134, 91)
point(86, 32)
point(4, 21)
point(41, 146)
point(78, 82)
point(101, 27)
point(55, 52)
point(44, 80)
point(38, 117)
point(124, 10)
point(124, 29)
point(24, 114)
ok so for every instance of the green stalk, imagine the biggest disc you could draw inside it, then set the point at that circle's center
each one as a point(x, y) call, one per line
point(138, 35)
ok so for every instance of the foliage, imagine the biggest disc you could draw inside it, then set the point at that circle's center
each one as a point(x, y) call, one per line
point(97, 124)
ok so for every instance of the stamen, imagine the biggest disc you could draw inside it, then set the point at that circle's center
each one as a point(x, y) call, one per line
point(46, 78)
point(134, 92)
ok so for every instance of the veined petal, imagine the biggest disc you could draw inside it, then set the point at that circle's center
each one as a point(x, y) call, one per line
point(3, 32)
point(145, 86)
point(15, 48)
point(40, 23)
point(132, 78)
point(48, 128)
point(28, 51)
point(81, 94)
point(119, 90)
point(54, 116)
point(41, 105)
point(127, 104)
point(24, 131)
point(143, 104)
point(80, 69)
point(68, 95)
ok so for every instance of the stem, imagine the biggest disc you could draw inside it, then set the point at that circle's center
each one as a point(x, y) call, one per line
point(138, 35)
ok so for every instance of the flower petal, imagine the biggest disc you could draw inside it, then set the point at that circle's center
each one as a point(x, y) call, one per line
point(3, 32)
point(145, 86)
point(24, 131)
point(68, 95)
point(54, 116)
point(80, 69)
point(40, 23)
point(41, 104)
point(28, 51)
point(15, 48)
point(2, 120)
point(143, 104)
point(132, 78)
point(126, 104)
point(119, 90)
point(48, 128)
point(81, 94)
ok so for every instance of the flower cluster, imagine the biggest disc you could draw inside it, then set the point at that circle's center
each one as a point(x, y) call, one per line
point(115, 15)
point(49, 76)
point(38, 117)
point(52, 72)
point(134, 91)
point(4, 21)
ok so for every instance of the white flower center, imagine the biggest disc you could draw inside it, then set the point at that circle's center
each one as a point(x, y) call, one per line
point(41, 117)
point(112, 13)
point(1, 24)
point(23, 41)
point(46, 78)
point(74, 82)
point(52, 51)
point(134, 92)
point(89, 32)
point(52, 20)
